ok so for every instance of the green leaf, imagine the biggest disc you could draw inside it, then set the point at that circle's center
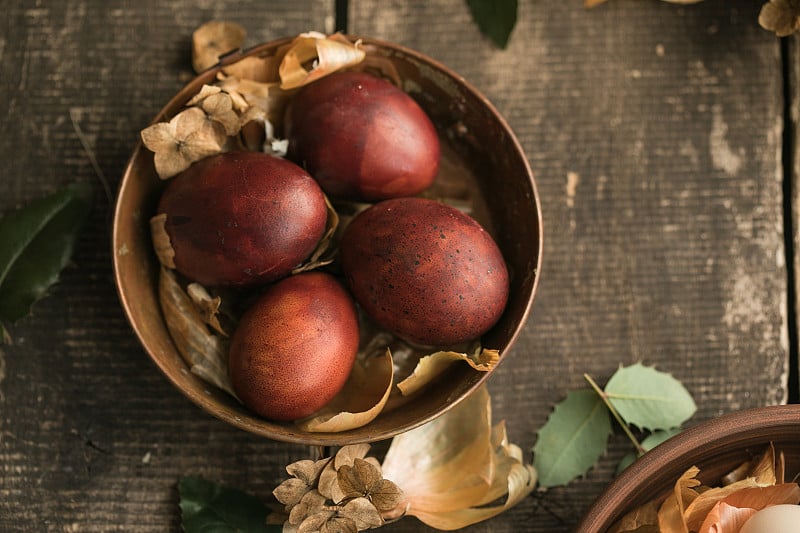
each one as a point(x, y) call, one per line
point(207, 507)
point(573, 438)
point(649, 399)
point(36, 243)
point(495, 18)
point(650, 442)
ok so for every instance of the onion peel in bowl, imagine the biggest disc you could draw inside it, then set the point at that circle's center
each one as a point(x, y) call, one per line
point(694, 507)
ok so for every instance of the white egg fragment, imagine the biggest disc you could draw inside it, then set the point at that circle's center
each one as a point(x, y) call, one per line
point(784, 518)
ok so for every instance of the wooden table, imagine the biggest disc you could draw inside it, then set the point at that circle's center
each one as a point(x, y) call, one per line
point(662, 140)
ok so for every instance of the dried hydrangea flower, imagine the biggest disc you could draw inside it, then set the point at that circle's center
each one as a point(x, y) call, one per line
point(213, 39)
point(344, 493)
point(780, 16)
point(364, 479)
point(186, 138)
point(218, 107)
point(311, 504)
point(305, 476)
point(346, 456)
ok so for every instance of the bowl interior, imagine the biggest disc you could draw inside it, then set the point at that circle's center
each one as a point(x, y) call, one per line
point(475, 137)
point(716, 447)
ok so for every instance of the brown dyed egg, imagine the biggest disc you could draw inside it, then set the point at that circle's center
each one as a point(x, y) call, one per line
point(425, 271)
point(362, 138)
point(293, 350)
point(242, 218)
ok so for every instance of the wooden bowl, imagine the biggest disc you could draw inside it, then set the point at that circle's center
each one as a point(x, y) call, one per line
point(475, 136)
point(716, 447)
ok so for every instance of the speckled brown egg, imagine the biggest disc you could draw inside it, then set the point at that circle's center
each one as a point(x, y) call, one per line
point(425, 271)
point(242, 218)
point(293, 349)
point(362, 137)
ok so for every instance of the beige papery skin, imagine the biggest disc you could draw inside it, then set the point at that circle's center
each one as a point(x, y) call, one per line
point(693, 507)
point(314, 55)
point(458, 470)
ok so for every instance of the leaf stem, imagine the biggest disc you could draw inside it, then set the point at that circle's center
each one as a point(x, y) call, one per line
point(603, 396)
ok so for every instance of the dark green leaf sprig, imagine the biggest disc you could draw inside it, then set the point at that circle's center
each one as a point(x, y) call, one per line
point(207, 507)
point(495, 18)
point(36, 243)
point(577, 431)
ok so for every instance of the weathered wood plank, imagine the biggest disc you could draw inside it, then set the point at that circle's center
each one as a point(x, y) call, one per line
point(92, 437)
point(654, 131)
point(792, 165)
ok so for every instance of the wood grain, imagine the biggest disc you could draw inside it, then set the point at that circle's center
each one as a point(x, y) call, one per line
point(654, 132)
point(92, 437)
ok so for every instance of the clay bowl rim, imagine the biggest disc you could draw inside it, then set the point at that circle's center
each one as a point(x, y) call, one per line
point(699, 445)
point(322, 439)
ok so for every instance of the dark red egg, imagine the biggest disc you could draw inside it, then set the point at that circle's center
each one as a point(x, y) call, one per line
point(362, 138)
point(293, 350)
point(242, 218)
point(425, 271)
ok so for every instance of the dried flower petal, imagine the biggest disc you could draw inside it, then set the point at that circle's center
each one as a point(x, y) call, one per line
point(780, 16)
point(328, 522)
point(290, 492)
point(312, 503)
point(362, 512)
point(305, 475)
point(307, 470)
point(364, 479)
point(433, 365)
point(266, 96)
point(324, 55)
point(186, 138)
point(219, 108)
point(213, 39)
point(205, 91)
point(346, 456)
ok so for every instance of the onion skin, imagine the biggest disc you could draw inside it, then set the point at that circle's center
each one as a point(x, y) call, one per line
point(294, 348)
point(362, 138)
point(424, 271)
point(239, 219)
